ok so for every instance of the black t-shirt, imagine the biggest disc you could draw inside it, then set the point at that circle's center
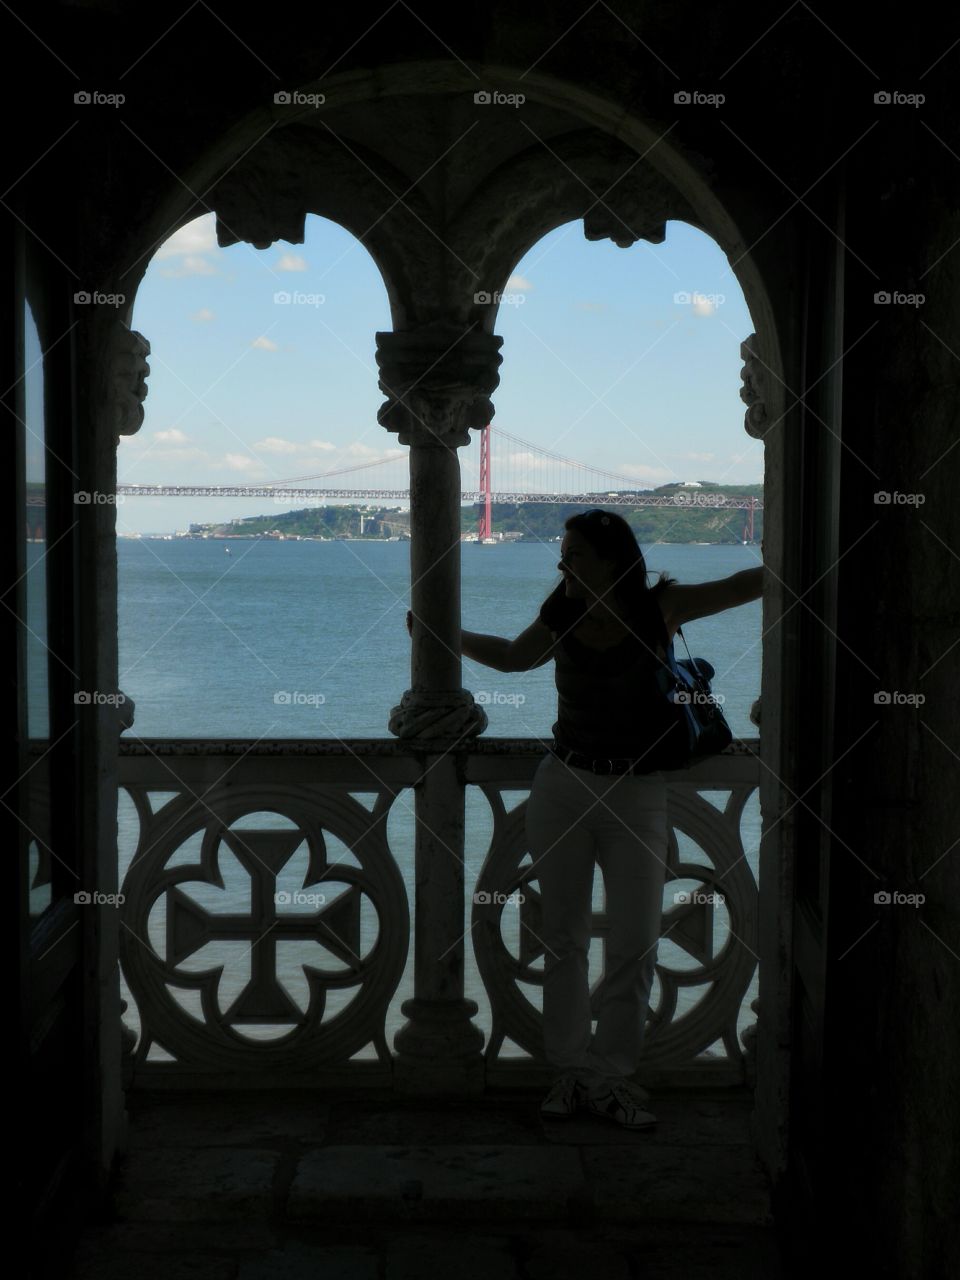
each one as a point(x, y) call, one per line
point(608, 703)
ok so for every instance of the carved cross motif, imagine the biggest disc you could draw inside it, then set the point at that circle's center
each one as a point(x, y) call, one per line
point(263, 855)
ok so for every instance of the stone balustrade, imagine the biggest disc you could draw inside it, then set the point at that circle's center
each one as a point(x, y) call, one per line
point(280, 851)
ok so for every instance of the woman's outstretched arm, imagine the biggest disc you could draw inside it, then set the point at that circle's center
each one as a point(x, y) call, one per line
point(532, 648)
point(684, 603)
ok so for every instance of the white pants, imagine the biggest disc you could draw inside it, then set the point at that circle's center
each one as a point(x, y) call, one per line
point(574, 817)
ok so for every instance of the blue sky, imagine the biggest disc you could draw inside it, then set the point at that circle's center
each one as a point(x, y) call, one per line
point(600, 364)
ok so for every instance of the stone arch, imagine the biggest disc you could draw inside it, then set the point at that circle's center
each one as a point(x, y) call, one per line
point(281, 161)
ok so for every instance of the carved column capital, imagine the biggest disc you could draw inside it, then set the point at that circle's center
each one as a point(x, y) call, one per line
point(438, 380)
point(752, 393)
point(127, 374)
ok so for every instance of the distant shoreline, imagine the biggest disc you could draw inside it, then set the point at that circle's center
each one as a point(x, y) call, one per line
point(265, 537)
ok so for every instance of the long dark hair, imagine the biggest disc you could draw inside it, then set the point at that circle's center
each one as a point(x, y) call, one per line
point(613, 539)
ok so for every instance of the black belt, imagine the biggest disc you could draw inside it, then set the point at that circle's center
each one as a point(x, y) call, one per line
point(600, 764)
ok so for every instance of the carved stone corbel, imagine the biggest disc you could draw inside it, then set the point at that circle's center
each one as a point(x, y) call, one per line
point(624, 221)
point(127, 375)
point(258, 206)
point(630, 208)
point(752, 393)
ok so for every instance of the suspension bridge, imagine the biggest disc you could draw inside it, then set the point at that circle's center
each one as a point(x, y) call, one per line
point(526, 472)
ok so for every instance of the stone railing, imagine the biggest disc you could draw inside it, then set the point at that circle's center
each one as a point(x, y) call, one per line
point(280, 851)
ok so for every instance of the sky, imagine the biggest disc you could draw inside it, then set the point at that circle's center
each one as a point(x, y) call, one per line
point(601, 364)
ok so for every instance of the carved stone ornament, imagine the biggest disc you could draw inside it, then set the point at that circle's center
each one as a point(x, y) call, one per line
point(128, 372)
point(438, 380)
point(748, 1038)
point(443, 718)
point(126, 708)
point(626, 216)
point(260, 204)
point(752, 391)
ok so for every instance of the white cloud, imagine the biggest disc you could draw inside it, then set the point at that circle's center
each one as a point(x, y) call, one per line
point(239, 461)
point(203, 314)
point(199, 236)
point(518, 284)
point(529, 461)
point(174, 434)
point(357, 450)
point(274, 444)
point(321, 444)
point(264, 343)
point(192, 245)
point(192, 265)
point(291, 262)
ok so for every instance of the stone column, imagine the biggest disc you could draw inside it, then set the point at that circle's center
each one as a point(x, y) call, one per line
point(437, 380)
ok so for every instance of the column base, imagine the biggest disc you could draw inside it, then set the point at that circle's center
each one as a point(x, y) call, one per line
point(439, 1051)
point(440, 718)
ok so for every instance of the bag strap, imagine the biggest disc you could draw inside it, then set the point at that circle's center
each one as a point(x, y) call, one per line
point(689, 654)
point(671, 661)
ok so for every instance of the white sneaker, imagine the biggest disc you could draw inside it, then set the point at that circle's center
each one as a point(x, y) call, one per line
point(619, 1101)
point(564, 1099)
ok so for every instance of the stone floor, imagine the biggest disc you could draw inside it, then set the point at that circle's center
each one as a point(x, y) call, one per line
point(366, 1187)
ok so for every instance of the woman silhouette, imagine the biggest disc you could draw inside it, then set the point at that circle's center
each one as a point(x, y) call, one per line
point(600, 795)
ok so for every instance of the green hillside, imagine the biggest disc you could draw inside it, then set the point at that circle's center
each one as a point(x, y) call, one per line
point(535, 521)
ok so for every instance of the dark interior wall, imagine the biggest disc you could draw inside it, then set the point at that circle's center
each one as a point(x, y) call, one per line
point(893, 1013)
